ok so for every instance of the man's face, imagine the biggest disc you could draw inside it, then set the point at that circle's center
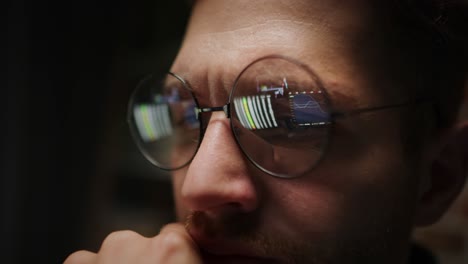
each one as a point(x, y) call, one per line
point(357, 205)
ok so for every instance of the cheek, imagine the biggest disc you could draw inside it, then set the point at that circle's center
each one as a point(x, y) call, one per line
point(363, 197)
point(375, 176)
point(301, 209)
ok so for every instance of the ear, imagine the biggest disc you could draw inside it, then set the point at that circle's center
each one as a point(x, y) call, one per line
point(444, 180)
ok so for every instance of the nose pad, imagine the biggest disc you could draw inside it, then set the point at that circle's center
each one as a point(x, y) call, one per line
point(218, 176)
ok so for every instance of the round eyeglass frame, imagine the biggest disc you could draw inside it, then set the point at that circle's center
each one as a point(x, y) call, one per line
point(227, 110)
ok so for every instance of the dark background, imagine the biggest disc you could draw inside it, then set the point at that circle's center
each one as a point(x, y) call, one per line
point(69, 170)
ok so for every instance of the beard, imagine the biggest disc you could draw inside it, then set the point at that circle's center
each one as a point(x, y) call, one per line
point(371, 246)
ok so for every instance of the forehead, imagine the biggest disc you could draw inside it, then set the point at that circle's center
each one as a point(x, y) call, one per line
point(334, 38)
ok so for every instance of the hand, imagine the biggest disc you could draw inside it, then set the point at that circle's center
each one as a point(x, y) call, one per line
point(172, 245)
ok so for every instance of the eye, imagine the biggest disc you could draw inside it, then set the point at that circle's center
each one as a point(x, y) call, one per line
point(281, 108)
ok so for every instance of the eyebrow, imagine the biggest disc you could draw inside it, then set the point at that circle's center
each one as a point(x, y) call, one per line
point(209, 91)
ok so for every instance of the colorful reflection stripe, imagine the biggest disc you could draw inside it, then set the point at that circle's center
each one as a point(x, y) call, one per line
point(255, 112)
point(152, 121)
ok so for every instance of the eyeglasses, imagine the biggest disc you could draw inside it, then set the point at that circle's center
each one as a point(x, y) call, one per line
point(280, 116)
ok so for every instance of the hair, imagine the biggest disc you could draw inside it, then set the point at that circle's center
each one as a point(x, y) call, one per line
point(440, 29)
point(433, 37)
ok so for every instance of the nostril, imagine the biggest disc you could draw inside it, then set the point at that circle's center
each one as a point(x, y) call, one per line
point(223, 190)
point(234, 206)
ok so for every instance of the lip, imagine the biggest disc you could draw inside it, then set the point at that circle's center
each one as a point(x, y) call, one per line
point(216, 250)
point(221, 246)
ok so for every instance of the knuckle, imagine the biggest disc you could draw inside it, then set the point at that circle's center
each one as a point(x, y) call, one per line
point(119, 238)
point(172, 241)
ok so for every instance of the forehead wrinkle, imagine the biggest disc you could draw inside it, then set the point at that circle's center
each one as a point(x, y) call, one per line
point(260, 24)
point(252, 36)
point(211, 87)
point(288, 38)
point(286, 34)
point(258, 12)
point(220, 18)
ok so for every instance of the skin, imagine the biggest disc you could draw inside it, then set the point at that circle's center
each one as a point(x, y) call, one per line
point(358, 206)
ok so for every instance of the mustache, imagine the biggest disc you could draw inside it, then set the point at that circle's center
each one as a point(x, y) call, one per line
point(245, 229)
point(232, 226)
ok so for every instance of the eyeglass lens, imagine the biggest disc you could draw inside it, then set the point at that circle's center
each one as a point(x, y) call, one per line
point(164, 122)
point(280, 116)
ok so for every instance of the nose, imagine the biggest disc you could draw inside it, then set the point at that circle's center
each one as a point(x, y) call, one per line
point(218, 177)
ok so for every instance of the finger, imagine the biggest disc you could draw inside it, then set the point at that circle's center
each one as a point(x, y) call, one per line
point(180, 230)
point(81, 257)
point(122, 247)
point(175, 245)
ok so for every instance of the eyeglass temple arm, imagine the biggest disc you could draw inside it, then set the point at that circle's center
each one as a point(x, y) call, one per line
point(379, 108)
